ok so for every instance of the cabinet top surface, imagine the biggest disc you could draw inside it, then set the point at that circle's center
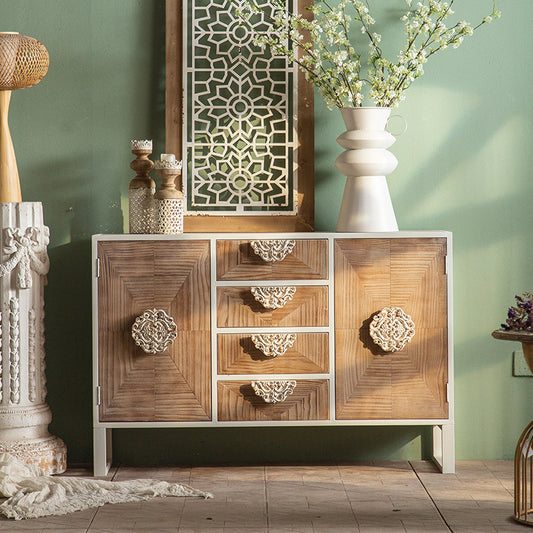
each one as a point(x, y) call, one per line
point(259, 236)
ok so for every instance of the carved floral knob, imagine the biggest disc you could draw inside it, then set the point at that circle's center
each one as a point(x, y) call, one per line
point(274, 344)
point(273, 250)
point(392, 329)
point(274, 391)
point(154, 331)
point(273, 297)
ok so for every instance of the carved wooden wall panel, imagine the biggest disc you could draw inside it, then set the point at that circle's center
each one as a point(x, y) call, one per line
point(238, 355)
point(213, 44)
point(238, 401)
point(237, 261)
point(371, 274)
point(238, 308)
point(172, 385)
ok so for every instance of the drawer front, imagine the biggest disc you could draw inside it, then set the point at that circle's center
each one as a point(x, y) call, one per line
point(239, 354)
point(237, 400)
point(236, 260)
point(237, 307)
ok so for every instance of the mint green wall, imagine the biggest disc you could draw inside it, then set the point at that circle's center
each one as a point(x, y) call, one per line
point(465, 165)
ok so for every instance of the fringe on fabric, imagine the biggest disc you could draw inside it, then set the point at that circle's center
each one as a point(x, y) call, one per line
point(33, 494)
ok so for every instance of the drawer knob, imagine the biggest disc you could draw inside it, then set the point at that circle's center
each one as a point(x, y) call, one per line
point(154, 331)
point(274, 344)
point(273, 250)
point(273, 297)
point(392, 329)
point(274, 391)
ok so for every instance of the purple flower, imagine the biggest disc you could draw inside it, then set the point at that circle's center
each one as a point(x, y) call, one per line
point(520, 317)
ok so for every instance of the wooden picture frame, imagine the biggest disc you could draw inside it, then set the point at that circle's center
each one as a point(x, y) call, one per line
point(303, 220)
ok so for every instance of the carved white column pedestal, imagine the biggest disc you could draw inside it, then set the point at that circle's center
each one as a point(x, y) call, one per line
point(24, 414)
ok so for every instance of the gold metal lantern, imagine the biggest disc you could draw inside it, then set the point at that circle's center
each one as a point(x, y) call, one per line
point(523, 477)
point(23, 63)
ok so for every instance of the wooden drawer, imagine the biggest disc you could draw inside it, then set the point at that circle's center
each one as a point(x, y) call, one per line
point(237, 307)
point(236, 260)
point(238, 401)
point(237, 354)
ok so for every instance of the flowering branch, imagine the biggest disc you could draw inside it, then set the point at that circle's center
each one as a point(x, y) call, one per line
point(330, 61)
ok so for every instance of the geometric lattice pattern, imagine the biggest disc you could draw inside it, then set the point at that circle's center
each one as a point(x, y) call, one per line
point(142, 214)
point(169, 215)
point(240, 123)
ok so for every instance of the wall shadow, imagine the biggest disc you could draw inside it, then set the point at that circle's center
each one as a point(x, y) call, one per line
point(68, 347)
point(269, 445)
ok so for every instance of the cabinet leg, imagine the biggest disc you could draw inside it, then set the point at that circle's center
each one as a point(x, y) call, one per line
point(444, 448)
point(102, 451)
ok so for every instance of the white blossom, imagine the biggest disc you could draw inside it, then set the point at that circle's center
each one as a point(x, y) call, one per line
point(328, 56)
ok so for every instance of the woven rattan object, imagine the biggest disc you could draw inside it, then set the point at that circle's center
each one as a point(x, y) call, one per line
point(23, 63)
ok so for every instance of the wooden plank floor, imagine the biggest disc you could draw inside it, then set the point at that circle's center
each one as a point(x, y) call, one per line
point(368, 497)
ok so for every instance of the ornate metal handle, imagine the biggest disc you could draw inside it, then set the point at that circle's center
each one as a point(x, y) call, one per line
point(274, 391)
point(273, 250)
point(154, 331)
point(273, 297)
point(392, 329)
point(274, 344)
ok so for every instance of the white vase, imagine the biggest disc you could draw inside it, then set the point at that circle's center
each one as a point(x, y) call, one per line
point(366, 203)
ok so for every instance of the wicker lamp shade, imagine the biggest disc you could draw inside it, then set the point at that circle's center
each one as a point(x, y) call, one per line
point(23, 61)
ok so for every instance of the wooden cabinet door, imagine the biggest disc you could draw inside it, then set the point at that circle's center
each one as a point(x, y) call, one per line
point(371, 274)
point(173, 385)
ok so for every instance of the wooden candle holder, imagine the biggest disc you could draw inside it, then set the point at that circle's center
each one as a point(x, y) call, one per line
point(142, 165)
point(169, 200)
point(142, 189)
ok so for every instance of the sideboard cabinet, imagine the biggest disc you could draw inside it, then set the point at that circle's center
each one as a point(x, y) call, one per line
point(201, 330)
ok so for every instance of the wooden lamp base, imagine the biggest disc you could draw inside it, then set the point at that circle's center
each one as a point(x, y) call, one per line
point(9, 176)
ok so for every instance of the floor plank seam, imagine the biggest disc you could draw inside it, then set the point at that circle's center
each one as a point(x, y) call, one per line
point(114, 469)
point(434, 503)
point(348, 498)
point(265, 484)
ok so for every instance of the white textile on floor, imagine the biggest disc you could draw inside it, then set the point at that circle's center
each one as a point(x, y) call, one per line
point(32, 494)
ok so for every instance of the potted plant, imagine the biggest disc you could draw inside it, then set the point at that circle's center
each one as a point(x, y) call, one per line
point(519, 326)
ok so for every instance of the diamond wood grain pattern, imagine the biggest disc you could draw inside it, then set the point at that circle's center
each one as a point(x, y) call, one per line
point(238, 355)
point(237, 307)
point(236, 260)
point(371, 274)
point(173, 385)
point(238, 401)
